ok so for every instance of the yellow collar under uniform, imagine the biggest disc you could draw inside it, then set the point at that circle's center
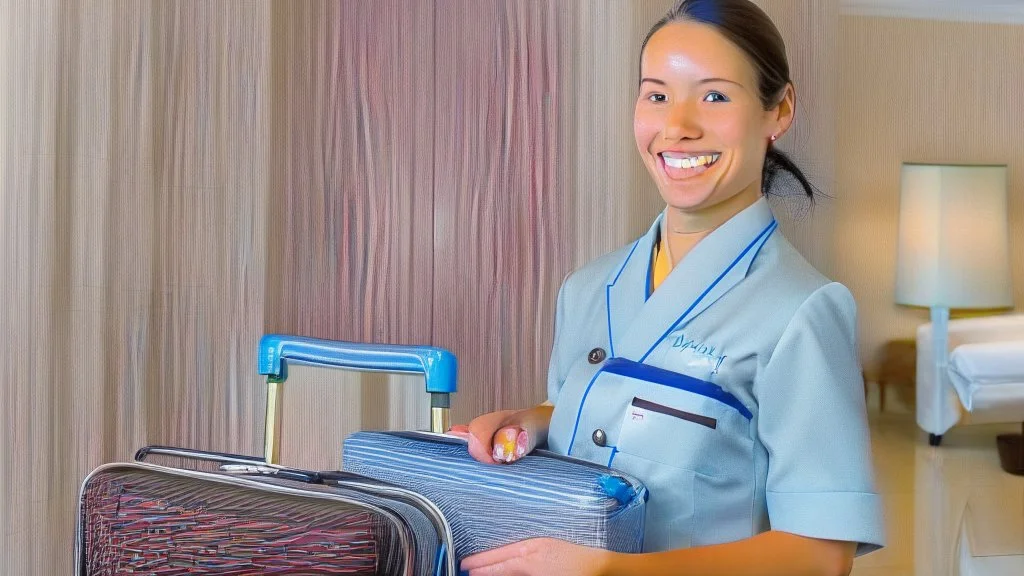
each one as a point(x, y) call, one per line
point(733, 391)
point(660, 266)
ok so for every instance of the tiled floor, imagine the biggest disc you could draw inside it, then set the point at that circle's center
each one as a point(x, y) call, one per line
point(933, 495)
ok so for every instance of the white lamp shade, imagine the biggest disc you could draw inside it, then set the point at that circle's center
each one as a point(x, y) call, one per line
point(953, 237)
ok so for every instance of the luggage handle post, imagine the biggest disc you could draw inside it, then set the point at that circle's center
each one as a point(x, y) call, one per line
point(438, 366)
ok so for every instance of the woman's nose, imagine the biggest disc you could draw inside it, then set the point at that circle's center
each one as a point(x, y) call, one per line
point(682, 122)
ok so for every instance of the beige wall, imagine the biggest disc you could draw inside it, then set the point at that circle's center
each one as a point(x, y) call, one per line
point(808, 28)
point(918, 91)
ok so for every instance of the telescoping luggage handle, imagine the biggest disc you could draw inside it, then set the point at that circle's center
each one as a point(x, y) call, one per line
point(437, 365)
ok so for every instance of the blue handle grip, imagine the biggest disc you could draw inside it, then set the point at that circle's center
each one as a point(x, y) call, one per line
point(437, 365)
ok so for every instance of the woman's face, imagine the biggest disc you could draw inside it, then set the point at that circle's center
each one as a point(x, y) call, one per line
point(699, 123)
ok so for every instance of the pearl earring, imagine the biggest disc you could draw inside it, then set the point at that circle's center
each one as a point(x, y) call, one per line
point(774, 137)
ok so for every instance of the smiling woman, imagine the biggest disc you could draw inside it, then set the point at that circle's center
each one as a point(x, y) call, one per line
point(760, 465)
point(720, 78)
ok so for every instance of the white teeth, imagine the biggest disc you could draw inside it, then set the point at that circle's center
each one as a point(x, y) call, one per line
point(690, 162)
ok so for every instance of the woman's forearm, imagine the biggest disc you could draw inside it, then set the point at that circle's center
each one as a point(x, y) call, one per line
point(769, 554)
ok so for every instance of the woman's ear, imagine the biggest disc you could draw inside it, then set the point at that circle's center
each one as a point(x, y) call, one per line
point(780, 118)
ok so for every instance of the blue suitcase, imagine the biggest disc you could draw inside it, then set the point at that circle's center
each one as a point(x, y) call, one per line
point(486, 506)
point(490, 505)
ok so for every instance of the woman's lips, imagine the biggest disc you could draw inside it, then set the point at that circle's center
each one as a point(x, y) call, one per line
point(682, 166)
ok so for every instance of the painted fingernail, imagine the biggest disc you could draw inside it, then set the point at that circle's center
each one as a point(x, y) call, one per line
point(505, 445)
point(521, 442)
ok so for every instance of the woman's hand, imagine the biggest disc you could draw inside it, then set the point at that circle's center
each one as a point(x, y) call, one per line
point(538, 557)
point(507, 435)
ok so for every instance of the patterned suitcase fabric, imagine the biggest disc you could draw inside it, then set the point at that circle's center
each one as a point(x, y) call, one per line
point(141, 519)
point(542, 495)
point(430, 530)
point(247, 515)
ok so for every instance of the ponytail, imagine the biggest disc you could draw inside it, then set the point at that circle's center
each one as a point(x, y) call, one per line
point(776, 161)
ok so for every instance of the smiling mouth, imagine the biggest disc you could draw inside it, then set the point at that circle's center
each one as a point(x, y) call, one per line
point(679, 166)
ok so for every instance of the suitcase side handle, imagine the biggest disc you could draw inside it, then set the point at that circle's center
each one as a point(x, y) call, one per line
point(438, 366)
point(230, 462)
point(222, 457)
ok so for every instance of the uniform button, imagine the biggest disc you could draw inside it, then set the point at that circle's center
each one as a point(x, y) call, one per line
point(596, 356)
point(599, 437)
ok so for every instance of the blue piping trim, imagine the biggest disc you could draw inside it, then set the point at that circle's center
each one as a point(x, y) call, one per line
point(615, 450)
point(611, 345)
point(648, 373)
point(608, 299)
point(579, 412)
point(761, 245)
point(440, 560)
point(608, 308)
point(762, 236)
point(623, 267)
point(650, 278)
point(647, 289)
point(655, 375)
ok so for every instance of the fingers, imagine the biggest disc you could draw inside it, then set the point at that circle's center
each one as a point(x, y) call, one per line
point(481, 434)
point(460, 431)
point(510, 444)
point(479, 451)
point(523, 558)
point(513, 567)
point(491, 558)
point(504, 436)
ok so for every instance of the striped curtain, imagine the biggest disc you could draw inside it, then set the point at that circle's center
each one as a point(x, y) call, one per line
point(178, 178)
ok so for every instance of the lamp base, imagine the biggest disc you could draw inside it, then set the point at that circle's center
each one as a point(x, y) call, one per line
point(1011, 452)
point(934, 439)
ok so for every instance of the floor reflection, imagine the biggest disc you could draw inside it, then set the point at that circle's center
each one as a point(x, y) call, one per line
point(950, 510)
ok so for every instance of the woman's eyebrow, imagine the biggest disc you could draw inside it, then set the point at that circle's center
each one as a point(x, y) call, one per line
point(709, 80)
point(699, 82)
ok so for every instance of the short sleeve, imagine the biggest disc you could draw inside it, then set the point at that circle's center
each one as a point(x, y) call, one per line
point(813, 422)
point(558, 369)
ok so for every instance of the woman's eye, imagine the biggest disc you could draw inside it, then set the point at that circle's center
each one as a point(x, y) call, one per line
point(659, 98)
point(715, 97)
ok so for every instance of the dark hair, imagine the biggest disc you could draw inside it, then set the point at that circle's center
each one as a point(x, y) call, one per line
point(753, 32)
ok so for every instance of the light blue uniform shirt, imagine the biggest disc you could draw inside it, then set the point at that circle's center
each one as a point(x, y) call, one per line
point(733, 392)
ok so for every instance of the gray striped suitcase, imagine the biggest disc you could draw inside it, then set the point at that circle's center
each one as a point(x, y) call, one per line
point(243, 516)
point(249, 515)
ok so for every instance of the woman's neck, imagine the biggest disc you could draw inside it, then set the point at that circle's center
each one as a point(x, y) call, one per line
point(682, 230)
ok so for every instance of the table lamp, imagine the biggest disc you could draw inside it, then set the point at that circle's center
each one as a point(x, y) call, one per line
point(953, 249)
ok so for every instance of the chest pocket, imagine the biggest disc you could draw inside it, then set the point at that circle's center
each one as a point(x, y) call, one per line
point(683, 422)
point(690, 442)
